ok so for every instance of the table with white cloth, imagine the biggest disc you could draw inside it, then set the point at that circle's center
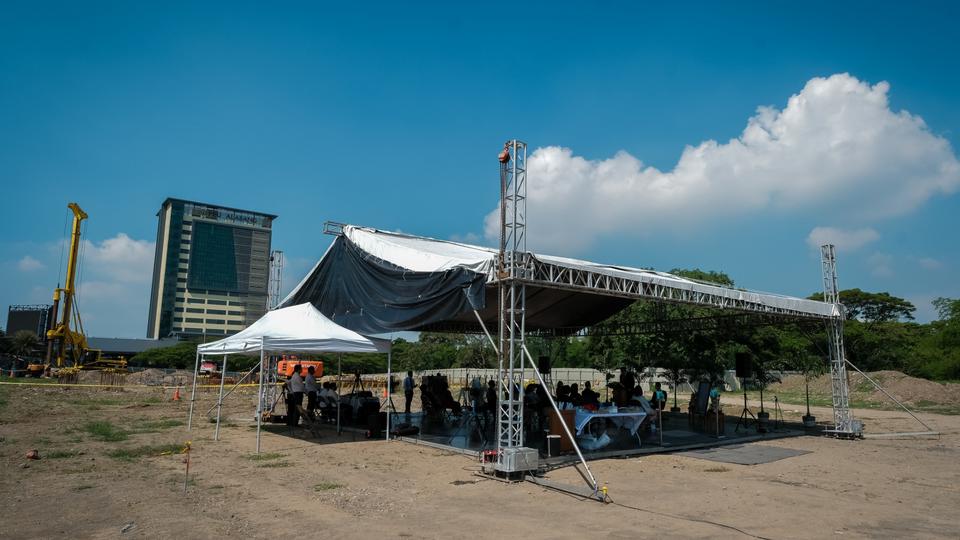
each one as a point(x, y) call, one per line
point(629, 420)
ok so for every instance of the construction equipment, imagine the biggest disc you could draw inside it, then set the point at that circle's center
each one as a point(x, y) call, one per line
point(66, 341)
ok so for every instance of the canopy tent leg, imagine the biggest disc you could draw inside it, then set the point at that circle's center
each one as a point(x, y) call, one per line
point(260, 398)
point(223, 375)
point(591, 480)
point(193, 391)
point(389, 392)
point(339, 372)
point(235, 386)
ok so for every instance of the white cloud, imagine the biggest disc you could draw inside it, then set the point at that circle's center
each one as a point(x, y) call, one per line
point(842, 239)
point(836, 147)
point(120, 258)
point(881, 265)
point(929, 263)
point(113, 294)
point(29, 264)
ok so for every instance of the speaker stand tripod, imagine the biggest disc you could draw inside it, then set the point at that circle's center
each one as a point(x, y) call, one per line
point(777, 414)
point(747, 414)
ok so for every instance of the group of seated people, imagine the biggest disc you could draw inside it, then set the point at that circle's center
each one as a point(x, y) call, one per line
point(435, 396)
point(569, 396)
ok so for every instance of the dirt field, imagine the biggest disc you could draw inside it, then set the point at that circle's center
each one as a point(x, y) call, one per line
point(107, 471)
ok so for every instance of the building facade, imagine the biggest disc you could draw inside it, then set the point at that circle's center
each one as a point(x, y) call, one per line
point(210, 270)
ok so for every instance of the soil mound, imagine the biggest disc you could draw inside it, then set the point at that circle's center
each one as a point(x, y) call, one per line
point(905, 388)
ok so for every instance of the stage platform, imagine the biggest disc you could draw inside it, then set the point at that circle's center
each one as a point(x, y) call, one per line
point(469, 434)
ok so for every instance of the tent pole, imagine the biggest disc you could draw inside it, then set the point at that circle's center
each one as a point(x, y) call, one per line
point(235, 386)
point(260, 398)
point(339, 371)
point(223, 375)
point(193, 391)
point(389, 390)
point(563, 424)
point(486, 332)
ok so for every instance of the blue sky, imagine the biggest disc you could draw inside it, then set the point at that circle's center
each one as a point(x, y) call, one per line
point(391, 115)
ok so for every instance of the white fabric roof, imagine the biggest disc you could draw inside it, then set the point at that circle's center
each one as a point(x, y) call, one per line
point(420, 254)
point(299, 328)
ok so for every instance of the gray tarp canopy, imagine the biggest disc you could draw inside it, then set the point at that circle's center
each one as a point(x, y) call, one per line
point(374, 281)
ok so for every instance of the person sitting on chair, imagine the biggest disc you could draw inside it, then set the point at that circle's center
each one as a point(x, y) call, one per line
point(590, 397)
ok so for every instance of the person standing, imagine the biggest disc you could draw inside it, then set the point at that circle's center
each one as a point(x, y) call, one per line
point(295, 399)
point(659, 397)
point(310, 386)
point(408, 387)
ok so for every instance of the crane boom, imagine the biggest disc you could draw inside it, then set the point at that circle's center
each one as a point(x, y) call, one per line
point(62, 336)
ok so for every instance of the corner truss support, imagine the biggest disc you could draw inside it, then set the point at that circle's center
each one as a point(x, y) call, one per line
point(844, 424)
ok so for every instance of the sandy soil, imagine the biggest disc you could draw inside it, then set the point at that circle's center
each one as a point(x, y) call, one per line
point(348, 487)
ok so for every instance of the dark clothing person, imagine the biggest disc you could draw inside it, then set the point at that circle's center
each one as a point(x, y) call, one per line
point(492, 397)
point(408, 387)
point(628, 381)
point(589, 397)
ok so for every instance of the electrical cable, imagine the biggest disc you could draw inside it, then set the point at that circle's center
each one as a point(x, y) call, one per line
point(684, 518)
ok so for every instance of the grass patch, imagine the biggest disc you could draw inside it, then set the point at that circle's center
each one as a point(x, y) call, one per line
point(717, 469)
point(327, 486)
point(62, 454)
point(152, 400)
point(133, 454)
point(266, 456)
point(94, 402)
point(105, 431)
point(81, 470)
point(275, 465)
point(156, 426)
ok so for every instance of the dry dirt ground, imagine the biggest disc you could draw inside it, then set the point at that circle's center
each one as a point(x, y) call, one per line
point(347, 487)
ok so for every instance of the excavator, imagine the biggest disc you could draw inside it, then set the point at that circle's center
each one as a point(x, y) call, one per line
point(67, 349)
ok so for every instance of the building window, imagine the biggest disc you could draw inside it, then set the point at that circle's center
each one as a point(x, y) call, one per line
point(235, 323)
point(216, 321)
point(235, 303)
point(181, 280)
point(178, 309)
point(185, 251)
point(184, 261)
point(216, 312)
point(181, 289)
point(194, 320)
point(217, 302)
point(236, 313)
point(195, 301)
point(194, 310)
point(178, 319)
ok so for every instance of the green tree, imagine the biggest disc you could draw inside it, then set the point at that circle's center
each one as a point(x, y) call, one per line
point(873, 307)
point(24, 343)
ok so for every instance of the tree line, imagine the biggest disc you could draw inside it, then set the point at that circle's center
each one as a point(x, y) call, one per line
point(879, 333)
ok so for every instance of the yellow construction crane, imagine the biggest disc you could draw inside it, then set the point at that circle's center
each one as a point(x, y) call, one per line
point(66, 341)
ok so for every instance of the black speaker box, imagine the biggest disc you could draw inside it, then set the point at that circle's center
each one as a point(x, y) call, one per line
point(744, 365)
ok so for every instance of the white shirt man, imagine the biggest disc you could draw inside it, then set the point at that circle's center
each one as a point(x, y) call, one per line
point(310, 383)
point(296, 383)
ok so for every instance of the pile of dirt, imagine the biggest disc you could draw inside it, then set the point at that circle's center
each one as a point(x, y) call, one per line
point(150, 376)
point(900, 385)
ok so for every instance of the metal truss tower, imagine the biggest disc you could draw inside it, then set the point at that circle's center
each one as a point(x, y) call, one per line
point(512, 269)
point(274, 285)
point(844, 424)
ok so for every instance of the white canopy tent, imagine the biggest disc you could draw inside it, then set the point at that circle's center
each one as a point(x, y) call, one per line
point(296, 329)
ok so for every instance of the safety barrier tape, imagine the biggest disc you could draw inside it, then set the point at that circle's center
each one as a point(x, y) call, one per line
point(117, 386)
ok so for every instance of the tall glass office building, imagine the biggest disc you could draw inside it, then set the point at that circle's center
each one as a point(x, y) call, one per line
point(210, 271)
